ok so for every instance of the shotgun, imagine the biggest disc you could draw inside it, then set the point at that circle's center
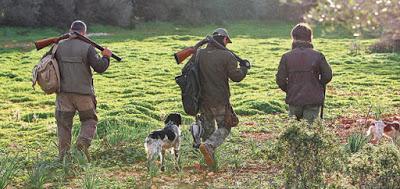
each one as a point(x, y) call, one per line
point(46, 42)
point(183, 54)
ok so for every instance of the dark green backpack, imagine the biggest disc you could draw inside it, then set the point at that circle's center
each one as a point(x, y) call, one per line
point(189, 82)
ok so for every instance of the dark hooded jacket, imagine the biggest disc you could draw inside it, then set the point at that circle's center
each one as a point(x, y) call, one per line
point(302, 74)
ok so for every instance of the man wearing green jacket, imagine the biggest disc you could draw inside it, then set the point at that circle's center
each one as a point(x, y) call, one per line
point(76, 60)
point(217, 66)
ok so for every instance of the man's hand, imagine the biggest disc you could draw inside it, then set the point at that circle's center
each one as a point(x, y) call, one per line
point(245, 63)
point(106, 52)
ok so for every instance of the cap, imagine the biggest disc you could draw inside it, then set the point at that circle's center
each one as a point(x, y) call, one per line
point(222, 32)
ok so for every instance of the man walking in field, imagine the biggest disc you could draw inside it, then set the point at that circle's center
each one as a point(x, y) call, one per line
point(75, 59)
point(303, 74)
point(217, 66)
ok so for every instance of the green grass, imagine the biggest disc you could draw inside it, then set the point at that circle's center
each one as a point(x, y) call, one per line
point(135, 95)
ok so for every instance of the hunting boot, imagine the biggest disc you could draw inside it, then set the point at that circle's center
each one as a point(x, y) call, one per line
point(208, 154)
point(82, 145)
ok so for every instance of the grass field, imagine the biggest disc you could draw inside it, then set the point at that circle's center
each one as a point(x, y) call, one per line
point(136, 94)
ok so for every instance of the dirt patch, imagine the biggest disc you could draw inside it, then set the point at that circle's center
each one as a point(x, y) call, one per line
point(258, 136)
point(345, 126)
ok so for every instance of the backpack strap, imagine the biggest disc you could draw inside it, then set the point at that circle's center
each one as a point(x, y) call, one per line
point(53, 51)
point(197, 64)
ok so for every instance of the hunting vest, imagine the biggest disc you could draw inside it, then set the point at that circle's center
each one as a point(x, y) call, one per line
point(75, 72)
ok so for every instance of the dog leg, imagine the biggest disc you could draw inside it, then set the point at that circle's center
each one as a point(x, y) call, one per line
point(176, 153)
point(389, 135)
point(162, 158)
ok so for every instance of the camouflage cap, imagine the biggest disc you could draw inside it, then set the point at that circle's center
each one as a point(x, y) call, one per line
point(222, 32)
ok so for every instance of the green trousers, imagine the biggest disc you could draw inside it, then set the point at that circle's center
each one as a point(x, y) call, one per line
point(213, 136)
point(307, 112)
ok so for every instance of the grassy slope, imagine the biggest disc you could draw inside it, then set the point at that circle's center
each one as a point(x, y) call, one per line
point(136, 94)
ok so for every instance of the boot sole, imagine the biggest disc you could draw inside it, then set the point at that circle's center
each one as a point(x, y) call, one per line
point(207, 157)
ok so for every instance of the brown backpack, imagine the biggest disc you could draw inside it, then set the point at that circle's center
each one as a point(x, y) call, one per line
point(47, 74)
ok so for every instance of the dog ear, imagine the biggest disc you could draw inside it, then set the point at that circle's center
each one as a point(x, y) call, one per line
point(174, 117)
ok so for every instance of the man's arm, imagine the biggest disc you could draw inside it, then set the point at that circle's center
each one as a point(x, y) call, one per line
point(99, 64)
point(282, 75)
point(326, 71)
point(234, 73)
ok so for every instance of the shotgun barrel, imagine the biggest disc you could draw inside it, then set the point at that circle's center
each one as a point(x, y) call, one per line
point(94, 44)
point(246, 62)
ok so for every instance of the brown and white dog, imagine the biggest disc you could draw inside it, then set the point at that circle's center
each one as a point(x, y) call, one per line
point(390, 130)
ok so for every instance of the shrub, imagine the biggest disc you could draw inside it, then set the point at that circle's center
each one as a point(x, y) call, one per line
point(61, 13)
point(19, 12)
point(307, 154)
point(375, 167)
point(367, 18)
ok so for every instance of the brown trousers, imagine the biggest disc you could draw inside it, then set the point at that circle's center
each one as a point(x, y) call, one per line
point(66, 106)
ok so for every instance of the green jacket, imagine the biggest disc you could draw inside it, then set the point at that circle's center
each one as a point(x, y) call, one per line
point(217, 66)
point(75, 58)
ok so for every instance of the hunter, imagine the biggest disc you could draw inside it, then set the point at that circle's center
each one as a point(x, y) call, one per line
point(217, 66)
point(76, 59)
point(303, 74)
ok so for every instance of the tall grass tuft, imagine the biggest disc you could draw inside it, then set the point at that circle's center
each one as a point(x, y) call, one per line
point(355, 142)
point(90, 181)
point(8, 168)
point(37, 176)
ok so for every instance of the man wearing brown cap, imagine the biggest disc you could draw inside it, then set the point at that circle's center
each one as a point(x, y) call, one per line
point(217, 66)
point(76, 60)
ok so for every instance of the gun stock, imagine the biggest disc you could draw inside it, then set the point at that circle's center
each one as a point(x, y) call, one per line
point(49, 41)
point(183, 54)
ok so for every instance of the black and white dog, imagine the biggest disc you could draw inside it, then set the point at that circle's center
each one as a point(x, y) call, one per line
point(166, 139)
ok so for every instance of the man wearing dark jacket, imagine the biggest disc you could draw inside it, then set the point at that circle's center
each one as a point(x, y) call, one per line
point(76, 59)
point(217, 66)
point(303, 74)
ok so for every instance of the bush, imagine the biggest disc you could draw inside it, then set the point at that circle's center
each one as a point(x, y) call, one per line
point(365, 18)
point(61, 13)
point(19, 12)
point(307, 155)
point(375, 167)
